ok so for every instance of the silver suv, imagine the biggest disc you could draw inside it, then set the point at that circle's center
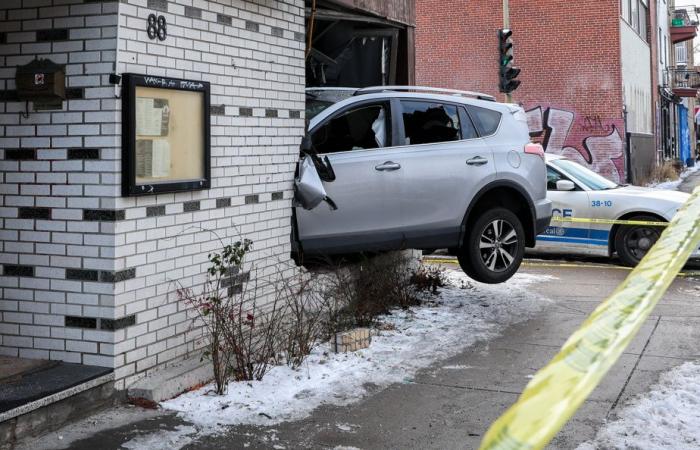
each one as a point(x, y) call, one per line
point(423, 168)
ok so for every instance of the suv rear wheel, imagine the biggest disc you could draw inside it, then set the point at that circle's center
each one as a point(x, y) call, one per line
point(494, 247)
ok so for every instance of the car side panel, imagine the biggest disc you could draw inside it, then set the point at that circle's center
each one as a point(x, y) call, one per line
point(438, 187)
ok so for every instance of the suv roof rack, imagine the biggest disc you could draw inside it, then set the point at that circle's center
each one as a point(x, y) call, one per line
point(375, 89)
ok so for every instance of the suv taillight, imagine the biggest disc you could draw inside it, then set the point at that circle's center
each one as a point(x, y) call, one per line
point(535, 149)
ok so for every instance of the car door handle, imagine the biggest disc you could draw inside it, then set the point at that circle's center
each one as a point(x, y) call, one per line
point(477, 161)
point(388, 166)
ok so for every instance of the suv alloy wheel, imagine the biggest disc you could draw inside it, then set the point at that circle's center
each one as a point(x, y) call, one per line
point(494, 247)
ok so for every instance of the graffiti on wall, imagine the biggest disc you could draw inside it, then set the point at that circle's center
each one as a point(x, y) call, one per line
point(590, 140)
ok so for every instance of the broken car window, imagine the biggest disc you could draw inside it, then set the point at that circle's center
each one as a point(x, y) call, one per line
point(428, 123)
point(362, 128)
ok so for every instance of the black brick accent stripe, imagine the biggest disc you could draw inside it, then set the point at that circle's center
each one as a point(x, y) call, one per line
point(223, 19)
point(75, 93)
point(118, 276)
point(117, 324)
point(252, 26)
point(81, 322)
point(103, 215)
point(34, 213)
point(251, 199)
point(81, 274)
point(276, 31)
point(16, 270)
point(154, 211)
point(294, 114)
point(218, 110)
point(277, 195)
point(83, 153)
point(20, 154)
point(245, 112)
point(54, 34)
point(191, 206)
point(223, 202)
point(299, 36)
point(195, 13)
point(159, 5)
point(271, 113)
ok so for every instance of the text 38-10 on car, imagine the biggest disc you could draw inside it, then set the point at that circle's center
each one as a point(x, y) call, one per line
point(422, 168)
point(577, 192)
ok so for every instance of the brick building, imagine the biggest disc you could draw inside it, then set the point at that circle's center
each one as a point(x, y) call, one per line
point(88, 268)
point(588, 72)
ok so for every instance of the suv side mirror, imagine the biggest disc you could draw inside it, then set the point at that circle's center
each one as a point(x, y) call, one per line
point(306, 146)
point(565, 185)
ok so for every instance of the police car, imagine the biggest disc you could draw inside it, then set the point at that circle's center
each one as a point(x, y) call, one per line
point(577, 192)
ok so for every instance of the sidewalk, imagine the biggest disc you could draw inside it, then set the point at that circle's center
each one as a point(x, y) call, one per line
point(690, 183)
point(451, 404)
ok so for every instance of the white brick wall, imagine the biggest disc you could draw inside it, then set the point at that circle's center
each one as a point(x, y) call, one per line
point(252, 54)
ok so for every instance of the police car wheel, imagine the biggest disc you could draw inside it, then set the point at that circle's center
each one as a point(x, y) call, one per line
point(494, 247)
point(634, 241)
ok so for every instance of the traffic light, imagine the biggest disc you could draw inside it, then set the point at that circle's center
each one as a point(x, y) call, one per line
point(507, 72)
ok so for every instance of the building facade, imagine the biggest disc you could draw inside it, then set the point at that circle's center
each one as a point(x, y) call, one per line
point(589, 90)
point(90, 273)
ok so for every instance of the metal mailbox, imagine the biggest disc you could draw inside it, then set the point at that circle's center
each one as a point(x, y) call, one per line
point(41, 79)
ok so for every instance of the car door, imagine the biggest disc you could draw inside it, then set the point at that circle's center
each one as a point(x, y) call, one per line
point(358, 142)
point(444, 165)
point(564, 236)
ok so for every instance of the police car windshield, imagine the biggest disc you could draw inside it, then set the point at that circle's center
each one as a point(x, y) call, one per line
point(589, 178)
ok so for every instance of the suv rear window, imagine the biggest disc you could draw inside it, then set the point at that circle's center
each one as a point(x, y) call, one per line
point(428, 123)
point(486, 120)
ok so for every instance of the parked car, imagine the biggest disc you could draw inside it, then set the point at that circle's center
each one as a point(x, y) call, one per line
point(424, 168)
point(578, 192)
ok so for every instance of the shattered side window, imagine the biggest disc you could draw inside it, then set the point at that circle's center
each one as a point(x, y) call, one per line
point(366, 127)
point(428, 123)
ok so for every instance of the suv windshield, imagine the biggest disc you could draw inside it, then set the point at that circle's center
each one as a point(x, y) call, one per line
point(589, 178)
point(318, 99)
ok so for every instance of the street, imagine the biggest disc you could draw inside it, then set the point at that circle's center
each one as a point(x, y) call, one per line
point(450, 404)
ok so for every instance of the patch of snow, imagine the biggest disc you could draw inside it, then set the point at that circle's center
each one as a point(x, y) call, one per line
point(346, 427)
point(667, 417)
point(457, 367)
point(673, 185)
point(163, 440)
point(462, 314)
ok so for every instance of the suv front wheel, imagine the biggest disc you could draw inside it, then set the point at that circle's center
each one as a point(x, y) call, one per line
point(494, 247)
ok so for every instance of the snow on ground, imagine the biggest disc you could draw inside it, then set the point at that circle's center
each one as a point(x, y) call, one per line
point(667, 417)
point(673, 185)
point(462, 314)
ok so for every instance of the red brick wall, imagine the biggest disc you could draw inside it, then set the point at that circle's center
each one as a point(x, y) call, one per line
point(569, 53)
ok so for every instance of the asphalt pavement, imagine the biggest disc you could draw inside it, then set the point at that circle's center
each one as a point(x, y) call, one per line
point(452, 408)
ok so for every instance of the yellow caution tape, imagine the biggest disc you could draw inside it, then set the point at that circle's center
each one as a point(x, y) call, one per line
point(609, 221)
point(558, 390)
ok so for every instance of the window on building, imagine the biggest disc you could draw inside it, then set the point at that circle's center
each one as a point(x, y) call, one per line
point(643, 20)
point(636, 14)
point(625, 8)
point(365, 127)
point(428, 123)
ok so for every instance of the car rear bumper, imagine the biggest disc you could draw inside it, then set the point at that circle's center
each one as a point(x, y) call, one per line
point(543, 212)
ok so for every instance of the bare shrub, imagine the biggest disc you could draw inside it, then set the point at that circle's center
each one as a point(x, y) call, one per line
point(666, 171)
point(428, 278)
point(370, 288)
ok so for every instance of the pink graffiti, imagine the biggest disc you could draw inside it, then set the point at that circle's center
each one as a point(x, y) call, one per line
point(601, 153)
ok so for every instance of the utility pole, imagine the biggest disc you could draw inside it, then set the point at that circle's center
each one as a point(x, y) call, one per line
point(506, 25)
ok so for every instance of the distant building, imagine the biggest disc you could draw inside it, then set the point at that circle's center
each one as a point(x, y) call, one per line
point(587, 72)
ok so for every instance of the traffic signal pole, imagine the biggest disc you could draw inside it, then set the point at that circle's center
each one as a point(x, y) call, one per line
point(506, 26)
